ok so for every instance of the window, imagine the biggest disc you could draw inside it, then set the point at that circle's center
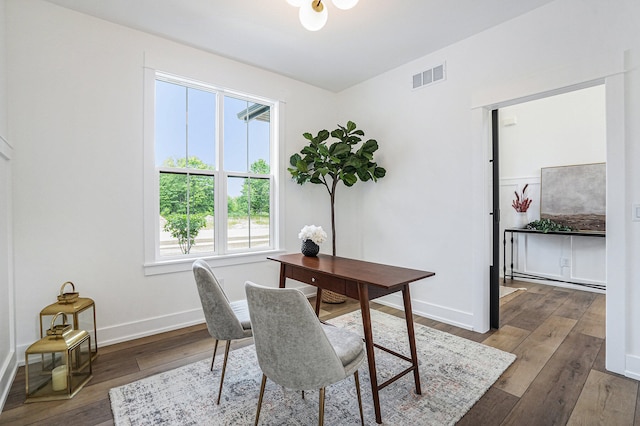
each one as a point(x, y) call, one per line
point(213, 180)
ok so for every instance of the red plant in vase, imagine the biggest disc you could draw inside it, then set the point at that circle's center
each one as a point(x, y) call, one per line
point(522, 202)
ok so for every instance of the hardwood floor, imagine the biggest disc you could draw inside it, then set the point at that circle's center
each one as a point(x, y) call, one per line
point(559, 377)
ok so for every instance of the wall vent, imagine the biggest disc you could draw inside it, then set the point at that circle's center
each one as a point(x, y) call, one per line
point(430, 76)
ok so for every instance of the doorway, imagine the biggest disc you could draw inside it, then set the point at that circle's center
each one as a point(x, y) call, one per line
point(560, 129)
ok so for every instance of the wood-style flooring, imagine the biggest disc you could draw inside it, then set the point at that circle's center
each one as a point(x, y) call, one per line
point(559, 377)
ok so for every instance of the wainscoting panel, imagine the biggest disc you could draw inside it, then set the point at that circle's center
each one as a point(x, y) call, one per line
point(558, 260)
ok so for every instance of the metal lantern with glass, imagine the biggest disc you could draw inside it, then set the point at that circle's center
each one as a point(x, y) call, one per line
point(82, 311)
point(58, 365)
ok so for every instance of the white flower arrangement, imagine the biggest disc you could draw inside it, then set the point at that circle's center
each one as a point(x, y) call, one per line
point(313, 233)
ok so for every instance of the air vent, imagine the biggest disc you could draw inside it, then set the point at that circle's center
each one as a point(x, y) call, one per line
point(430, 76)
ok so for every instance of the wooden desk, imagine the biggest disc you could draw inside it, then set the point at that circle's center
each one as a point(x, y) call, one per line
point(362, 281)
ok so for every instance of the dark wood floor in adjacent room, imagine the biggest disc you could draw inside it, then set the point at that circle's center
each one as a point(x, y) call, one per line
point(559, 377)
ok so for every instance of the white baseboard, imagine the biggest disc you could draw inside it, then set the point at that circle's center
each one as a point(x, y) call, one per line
point(135, 330)
point(148, 327)
point(308, 290)
point(632, 369)
point(7, 375)
point(558, 284)
point(423, 309)
point(429, 310)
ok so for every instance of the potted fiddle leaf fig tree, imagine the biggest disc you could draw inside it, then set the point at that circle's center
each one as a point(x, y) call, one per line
point(341, 159)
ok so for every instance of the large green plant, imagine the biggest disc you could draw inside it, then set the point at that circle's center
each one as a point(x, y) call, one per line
point(327, 163)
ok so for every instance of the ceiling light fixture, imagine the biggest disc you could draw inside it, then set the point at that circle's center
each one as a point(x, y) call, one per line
point(313, 14)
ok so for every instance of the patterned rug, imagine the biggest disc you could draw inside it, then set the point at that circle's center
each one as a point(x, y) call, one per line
point(454, 372)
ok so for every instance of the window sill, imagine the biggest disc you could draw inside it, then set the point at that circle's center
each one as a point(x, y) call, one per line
point(182, 265)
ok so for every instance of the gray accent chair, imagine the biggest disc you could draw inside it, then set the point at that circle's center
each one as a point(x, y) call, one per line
point(225, 320)
point(295, 349)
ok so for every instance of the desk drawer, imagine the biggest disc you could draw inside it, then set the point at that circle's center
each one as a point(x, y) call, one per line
point(325, 282)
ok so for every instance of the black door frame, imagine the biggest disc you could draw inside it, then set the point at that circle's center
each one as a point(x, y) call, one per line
point(494, 269)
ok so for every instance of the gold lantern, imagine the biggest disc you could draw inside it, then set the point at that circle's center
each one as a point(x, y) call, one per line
point(81, 309)
point(58, 365)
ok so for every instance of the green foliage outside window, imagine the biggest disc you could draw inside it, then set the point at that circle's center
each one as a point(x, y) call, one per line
point(185, 229)
point(256, 192)
point(187, 200)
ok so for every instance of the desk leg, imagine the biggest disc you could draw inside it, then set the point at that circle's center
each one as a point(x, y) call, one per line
point(363, 294)
point(318, 300)
point(283, 275)
point(408, 314)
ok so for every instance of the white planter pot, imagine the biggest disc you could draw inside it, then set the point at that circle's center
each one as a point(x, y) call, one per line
point(521, 220)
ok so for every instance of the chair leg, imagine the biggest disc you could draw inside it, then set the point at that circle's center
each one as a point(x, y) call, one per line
point(215, 348)
point(264, 382)
point(302, 394)
point(321, 408)
point(224, 368)
point(355, 375)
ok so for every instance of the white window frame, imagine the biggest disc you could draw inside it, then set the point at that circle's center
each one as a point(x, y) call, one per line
point(154, 263)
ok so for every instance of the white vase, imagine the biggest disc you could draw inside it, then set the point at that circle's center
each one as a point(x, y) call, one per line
point(521, 220)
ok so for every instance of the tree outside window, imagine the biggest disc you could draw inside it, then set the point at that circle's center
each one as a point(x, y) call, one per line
point(189, 166)
point(186, 202)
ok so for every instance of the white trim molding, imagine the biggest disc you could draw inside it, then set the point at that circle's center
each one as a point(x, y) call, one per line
point(607, 67)
point(632, 368)
point(432, 311)
point(9, 362)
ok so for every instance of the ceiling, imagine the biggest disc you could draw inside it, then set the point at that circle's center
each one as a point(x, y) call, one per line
point(355, 45)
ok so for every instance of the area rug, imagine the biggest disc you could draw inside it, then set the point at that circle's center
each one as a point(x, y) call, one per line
point(454, 372)
point(505, 291)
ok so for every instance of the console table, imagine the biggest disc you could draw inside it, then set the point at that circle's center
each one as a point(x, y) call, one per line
point(362, 281)
point(512, 231)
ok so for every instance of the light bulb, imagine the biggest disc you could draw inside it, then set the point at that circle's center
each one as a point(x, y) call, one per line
point(313, 19)
point(296, 3)
point(345, 4)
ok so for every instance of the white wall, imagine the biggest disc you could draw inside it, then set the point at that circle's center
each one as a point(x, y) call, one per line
point(76, 121)
point(559, 130)
point(432, 210)
point(8, 360)
point(565, 129)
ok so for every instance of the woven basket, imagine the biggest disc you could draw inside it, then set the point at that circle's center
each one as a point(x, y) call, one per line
point(331, 297)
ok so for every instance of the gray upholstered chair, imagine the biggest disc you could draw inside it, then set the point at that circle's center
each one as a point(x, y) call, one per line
point(295, 349)
point(225, 320)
